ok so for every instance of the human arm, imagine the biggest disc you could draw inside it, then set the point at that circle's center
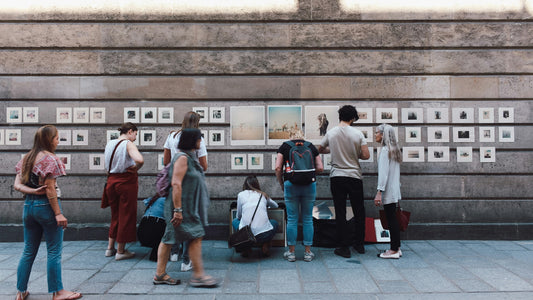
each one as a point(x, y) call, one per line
point(383, 174)
point(51, 194)
point(365, 153)
point(180, 168)
point(279, 169)
point(134, 153)
point(203, 162)
point(271, 203)
point(166, 156)
point(19, 186)
point(323, 150)
point(202, 155)
point(239, 206)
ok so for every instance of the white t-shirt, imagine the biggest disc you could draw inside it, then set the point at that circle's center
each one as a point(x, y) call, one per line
point(345, 147)
point(246, 203)
point(172, 144)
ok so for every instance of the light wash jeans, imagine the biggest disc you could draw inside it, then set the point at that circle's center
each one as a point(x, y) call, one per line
point(38, 219)
point(299, 197)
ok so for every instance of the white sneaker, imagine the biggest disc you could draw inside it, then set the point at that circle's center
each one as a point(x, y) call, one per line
point(290, 256)
point(186, 267)
point(308, 256)
point(174, 257)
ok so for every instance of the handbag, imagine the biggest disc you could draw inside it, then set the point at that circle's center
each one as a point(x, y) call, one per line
point(105, 199)
point(403, 217)
point(244, 237)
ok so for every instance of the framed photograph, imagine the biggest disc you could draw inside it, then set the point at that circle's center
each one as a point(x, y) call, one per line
point(112, 135)
point(386, 115)
point(65, 159)
point(412, 115)
point(30, 115)
point(166, 115)
point(2, 133)
point(80, 115)
point(148, 137)
point(148, 114)
point(506, 134)
point(486, 115)
point(97, 114)
point(282, 120)
point(216, 137)
point(14, 115)
point(486, 134)
point(217, 114)
point(437, 115)
point(96, 162)
point(365, 115)
point(318, 120)
point(487, 154)
point(438, 134)
point(205, 136)
point(203, 112)
point(65, 137)
point(463, 134)
point(80, 137)
point(371, 158)
point(13, 137)
point(255, 161)
point(131, 114)
point(438, 154)
point(274, 157)
point(382, 235)
point(238, 161)
point(413, 154)
point(160, 161)
point(368, 132)
point(64, 114)
point(247, 125)
point(413, 134)
point(464, 154)
point(462, 115)
point(326, 160)
point(506, 115)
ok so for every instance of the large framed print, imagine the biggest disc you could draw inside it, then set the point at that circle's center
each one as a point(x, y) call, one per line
point(387, 115)
point(217, 114)
point(238, 161)
point(486, 115)
point(412, 115)
point(13, 137)
point(438, 154)
point(148, 114)
point(80, 115)
point(30, 115)
point(506, 115)
point(318, 120)
point(64, 114)
point(437, 115)
point(80, 137)
point(97, 114)
point(14, 115)
point(464, 154)
point(255, 161)
point(131, 114)
point(96, 161)
point(487, 154)
point(282, 120)
point(462, 115)
point(203, 112)
point(438, 134)
point(413, 134)
point(486, 134)
point(247, 125)
point(166, 114)
point(463, 134)
point(365, 115)
point(506, 134)
point(413, 154)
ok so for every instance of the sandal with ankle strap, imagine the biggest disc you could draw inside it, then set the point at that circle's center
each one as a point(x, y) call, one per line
point(160, 279)
point(22, 295)
point(204, 281)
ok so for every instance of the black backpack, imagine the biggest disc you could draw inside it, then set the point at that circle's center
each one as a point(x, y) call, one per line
point(300, 168)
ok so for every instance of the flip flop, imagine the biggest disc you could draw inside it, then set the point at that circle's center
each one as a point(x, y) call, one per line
point(71, 296)
point(22, 296)
point(204, 281)
point(160, 279)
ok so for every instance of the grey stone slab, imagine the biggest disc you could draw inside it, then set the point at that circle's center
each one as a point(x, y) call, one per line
point(169, 289)
point(456, 272)
point(102, 277)
point(395, 287)
point(474, 262)
point(243, 272)
point(131, 288)
point(428, 280)
point(501, 279)
point(526, 244)
point(240, 287)
point(505, 245)
point(353, 281)
point(314, 270)
point(473, 285)
point(279, 282)
point(80, 261)
point(137, 276)
point(382, 270)
point(318, 287)
point(91, 287)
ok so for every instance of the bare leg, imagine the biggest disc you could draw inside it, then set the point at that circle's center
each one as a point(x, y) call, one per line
point(111, 244)
point(120, 247)
point(195, 254)
point(307, 248)
point(291, 248)
point(162, 258)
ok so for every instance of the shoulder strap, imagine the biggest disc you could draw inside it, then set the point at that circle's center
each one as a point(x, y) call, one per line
point(256, 209)
point(155, 197)
point(290, 143)
point(113, 154)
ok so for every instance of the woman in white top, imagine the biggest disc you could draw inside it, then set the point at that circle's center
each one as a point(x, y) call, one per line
point(262, 228)
point(388, 190)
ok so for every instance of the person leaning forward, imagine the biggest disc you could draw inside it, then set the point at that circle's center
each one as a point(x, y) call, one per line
point(347, 145)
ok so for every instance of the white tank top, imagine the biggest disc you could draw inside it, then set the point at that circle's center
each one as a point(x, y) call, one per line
point(121, 160)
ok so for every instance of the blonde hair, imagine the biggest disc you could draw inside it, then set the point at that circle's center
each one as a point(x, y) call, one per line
point(296, 134)
point(42, 141)
point(390, 141)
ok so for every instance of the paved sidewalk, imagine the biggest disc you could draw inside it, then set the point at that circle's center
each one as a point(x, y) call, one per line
point(427, 270)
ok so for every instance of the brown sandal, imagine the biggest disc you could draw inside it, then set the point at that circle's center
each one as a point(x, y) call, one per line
point(160, 279)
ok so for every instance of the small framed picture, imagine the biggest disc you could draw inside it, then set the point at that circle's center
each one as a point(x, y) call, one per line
point(412, 115)
point(205, 136)
point(166, 114)
point(216, 137)
point(438, 134)
point(203, 112)
point(387, 115)
point(64, 115)
point(413, 134)
point(148, 137)
point(371, 158)
point(112, 135)
point(2, 133)
point(506, 134)
point(80, 137)
point(80, 114)
point(13, 137)
point(365, 115)
point(131, 114)
point(437, 115)
point(30, 115)
point(65, 159)
point(506, 115)
point(464, 154)
point(255, 161)
point(14, 115)
point(368, 133)
point(148, 114)
point(326, 160)
point(463, 134)
point(274, 157)
point(438, 154)
point(96, 161)
point(486, 134)
point(238, 161)
point(217, 114)
point(97, 114)
point(462, 115)
point(487, 154)
point(65, 137)
point(160, 161)
point(486, 115)
point(413, 154)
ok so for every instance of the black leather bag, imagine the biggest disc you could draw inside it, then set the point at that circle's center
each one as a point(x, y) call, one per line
point(244, 237)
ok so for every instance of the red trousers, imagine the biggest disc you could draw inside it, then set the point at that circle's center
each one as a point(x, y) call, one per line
point(122, 191)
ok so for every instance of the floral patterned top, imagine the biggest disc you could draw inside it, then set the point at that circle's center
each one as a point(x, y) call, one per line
point(48, 166)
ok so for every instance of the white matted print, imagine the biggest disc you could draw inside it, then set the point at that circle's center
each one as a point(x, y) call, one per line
point(13, 137)
point(274, 157)
point(413, 154)
point(131, 114)
point(80, 115)
point(371, 158)
point(438, 154)
point(64, 114)
point(463, 134)
point(387, 115)
point(487, 154)
point(65, 137)
point(506, 115)
point(437, 115)
point(486, 115)
point(255, 161)
point(112, 135)
point(148, 137)
point(247, 125)
point(65, 159)
point(166, 115)
point(506, 134)
point(160, 161)
point(203, 112)
point(438, 134)
point(80, 137)
point(216, 137)
point(96, 161)
point(2, 132)
point(14, 115)
point(148, 114)
point(326, 160)
point(412, 115)
point(238, 162)
point(464, 154)
point(382, 235)
point(486, 134)
point(205, 136)
point(217, 114)
point(318, 120)
point(463, 115)
point(365, 115)
point(282, 120)
point(413, 134)
point(368, 132)
point(97, 114)
point(30, 115)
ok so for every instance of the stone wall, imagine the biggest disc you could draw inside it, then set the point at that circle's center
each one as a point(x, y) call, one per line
point(308, 52)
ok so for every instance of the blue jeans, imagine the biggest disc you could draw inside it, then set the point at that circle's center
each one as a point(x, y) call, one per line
point(38, 218)
point(182, 250)
point(299, 197)
point(263, 237)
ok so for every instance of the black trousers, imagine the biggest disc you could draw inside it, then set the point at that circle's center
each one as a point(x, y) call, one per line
point(341, 189)
point(394, 226)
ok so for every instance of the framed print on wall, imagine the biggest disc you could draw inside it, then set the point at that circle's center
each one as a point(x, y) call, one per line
point(464, 154)
point(64, 114)
point(148, 137)
point(413, 154)
point(463, 134)
point(462, 115)
point(13, 137)
point(160, 161)
point(216, 137)
point(217, 114)
point(148, 114)
point(326, 160)
point(318, 120)
point(64, 137)
point(274, 157)
point(413, 134)
point(30, 114)
point(387, 115)
point(205, 136)
point(506, 115)
point(506, 134)
point(438, 154)
point(80, 115)
point(65, 159)
point(131, 114)
point(2, 133)
point(438, 134)
point(486, 115)
point(486, 134)
point(14, 115)
point(437, 115)
point(487, 154)
point(112, 135)
point(238, 162)
point(96, 161)
point(282, 120)
point(97, 114)
point(365, 115)
point(203, 112)
point(368, 133)
point(166, 115)
point(247, 125)
point(80, 137)
point(255, 161)
point(412, 115)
